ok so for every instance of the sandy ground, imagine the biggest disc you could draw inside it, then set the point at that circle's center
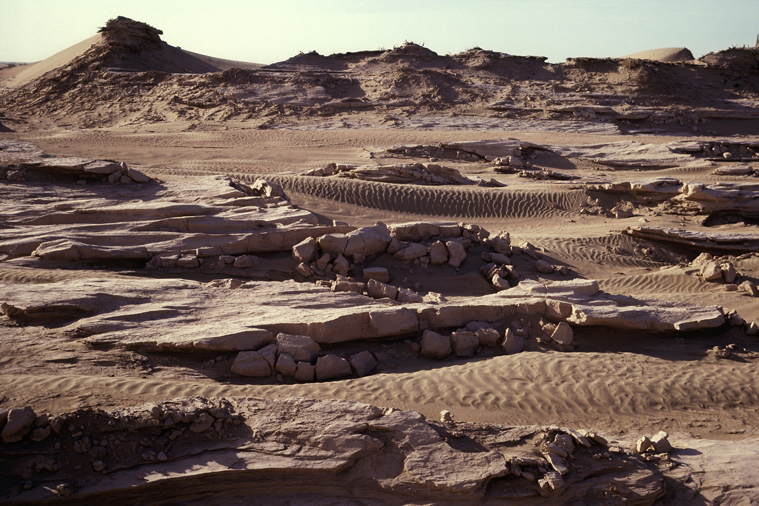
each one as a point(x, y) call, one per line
point(617, 382)
point(176, 126)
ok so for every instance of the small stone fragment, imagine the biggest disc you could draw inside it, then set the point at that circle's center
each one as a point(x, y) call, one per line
point(544, 267)
point(563, 334)
point(642, 444)
point(512, 343)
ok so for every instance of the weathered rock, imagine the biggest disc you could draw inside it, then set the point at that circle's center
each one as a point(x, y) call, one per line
point(363, 363)
point(244, 261)
point(18, 424)
point(438, 253)
point(408, 296)
point(435, 345)
point(267, 188)
point(544, 267)
point(345, 285)
point(750, 288)
point(331, 366)
point(464, 343)
point(728, 272)
point(702, 241)
point(286, 364)
point(334, 244)
point(304, 270)
point(512, 343)
point(323, 261)
point(40, 434)
point(711, 272)
point(411, 252)
point(487, 337)
point(456, 253)
point(188, 261)
point(642, 444)
point(137, 176)
point(660, 442)
point(367, 241)
point(378, 273)
point(563, 334)
point(380, 290)
point(304, 372)
point(301, 348)
point(305, 250)
point(341, 265)
point(251, 363)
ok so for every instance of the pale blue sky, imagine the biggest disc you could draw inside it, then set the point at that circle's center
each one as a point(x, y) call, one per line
point(273, 30)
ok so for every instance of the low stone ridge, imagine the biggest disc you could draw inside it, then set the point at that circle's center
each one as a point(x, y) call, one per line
point(203, 448)
point(157, 314)
point(710, 242)
point(416, 173)
point(704, 198)
point(214, 216)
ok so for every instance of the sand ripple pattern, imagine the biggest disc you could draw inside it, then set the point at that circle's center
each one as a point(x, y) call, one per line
point(517, 389)
point(449, 201)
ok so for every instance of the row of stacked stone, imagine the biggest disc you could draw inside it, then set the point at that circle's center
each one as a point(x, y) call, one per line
point(419, 243)
point(470, 340)
point(300, 358)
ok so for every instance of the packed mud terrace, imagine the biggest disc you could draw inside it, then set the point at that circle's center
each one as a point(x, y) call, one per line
point(386, 277)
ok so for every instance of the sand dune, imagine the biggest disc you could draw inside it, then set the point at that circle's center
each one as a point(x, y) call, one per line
point(670, 54)
point(24, 74)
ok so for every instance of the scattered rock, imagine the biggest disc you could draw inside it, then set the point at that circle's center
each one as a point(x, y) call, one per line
point(544, 267)
point(563, 334)
point(643, 444)
point(512, 343)
point(660, 443)
point(18, 424)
